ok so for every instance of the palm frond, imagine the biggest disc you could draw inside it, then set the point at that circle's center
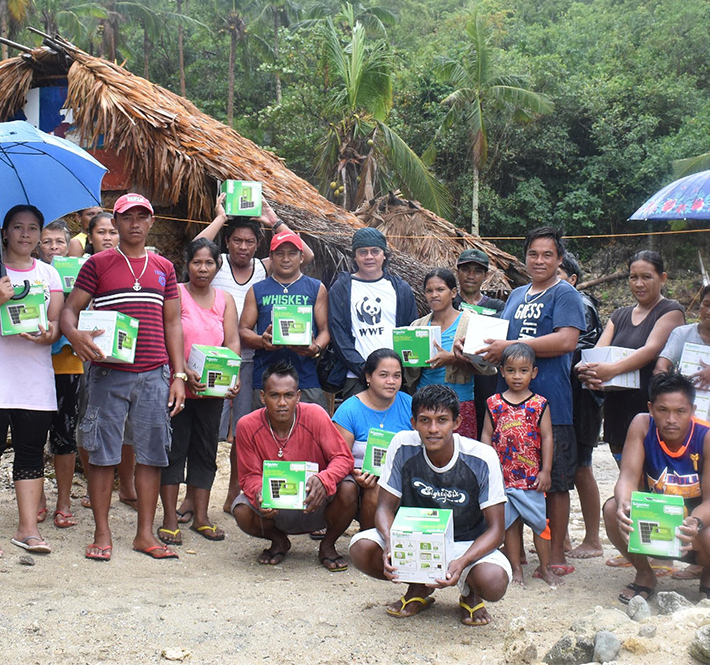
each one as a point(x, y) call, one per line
point(450, 71)
point(522, 99)
point(690, 165)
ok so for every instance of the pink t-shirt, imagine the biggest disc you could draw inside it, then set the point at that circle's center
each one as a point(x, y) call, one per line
point(200, 325)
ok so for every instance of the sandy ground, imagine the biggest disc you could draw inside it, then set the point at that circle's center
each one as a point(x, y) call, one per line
point(218, 605)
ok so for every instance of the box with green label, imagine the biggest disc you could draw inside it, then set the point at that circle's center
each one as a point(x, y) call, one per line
point(25, 315)
point(694, 359)
point(284, 484)
point(378, 441)
point(217, 366)
point(478, 309)
point(421, 542)
point(655, 520)
point(68, 268)
point(416, 344)
point(118, 341)
point(243, 198)
point(292, 325)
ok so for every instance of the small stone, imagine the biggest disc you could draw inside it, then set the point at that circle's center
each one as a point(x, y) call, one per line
point(571, 649)
point(606, 646)
point(638, 609)
point(518, 646)
point(639, 647)
point(175, 654)
point(648, 630)
point(670, 601)
point(700, 646)
point(27, 560)
point(705, 602)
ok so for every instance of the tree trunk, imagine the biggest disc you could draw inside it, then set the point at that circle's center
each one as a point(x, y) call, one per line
point(146, 54)
point(3, 27)
point(276, 57)
point(232, 61)
point(474, 201)
point(181, 50)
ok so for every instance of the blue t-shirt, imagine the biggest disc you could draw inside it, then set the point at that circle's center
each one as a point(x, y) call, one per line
point(269, 293)
point(429, 377)
point(358, 419)
point(560, 306)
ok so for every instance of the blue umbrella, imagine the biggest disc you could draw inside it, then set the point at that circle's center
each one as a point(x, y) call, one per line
point(687, 198)
point(46, 171)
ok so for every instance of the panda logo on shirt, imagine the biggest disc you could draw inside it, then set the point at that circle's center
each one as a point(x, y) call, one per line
point(369, 311)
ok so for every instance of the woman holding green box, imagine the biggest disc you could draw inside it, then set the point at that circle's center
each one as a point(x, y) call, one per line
point(209, 317)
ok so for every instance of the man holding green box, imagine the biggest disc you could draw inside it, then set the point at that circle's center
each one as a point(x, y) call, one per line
point(669, 450)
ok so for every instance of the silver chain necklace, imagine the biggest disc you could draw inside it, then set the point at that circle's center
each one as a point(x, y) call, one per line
point(288, 436)
point(286, 287)
point(136, 285)
point(529, 299)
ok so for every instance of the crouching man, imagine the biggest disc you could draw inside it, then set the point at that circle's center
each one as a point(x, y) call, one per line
point(666, 452)
point(432, 467)
point(290, 431)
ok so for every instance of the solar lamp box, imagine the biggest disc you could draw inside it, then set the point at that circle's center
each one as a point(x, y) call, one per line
point(416, 344)
point(243, 198)
point(118, 341)
point(25, 315)
point(613, 354)
point(481, 327)
point(378, 441)
point(656, 517)
point(217, 366)
point(284, 484)
point(292, 325)
point(68, 268)
point(421, 544)
point(690, 363)
point(478, 309)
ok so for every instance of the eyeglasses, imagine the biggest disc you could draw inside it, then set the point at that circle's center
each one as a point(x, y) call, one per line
point(371, 251)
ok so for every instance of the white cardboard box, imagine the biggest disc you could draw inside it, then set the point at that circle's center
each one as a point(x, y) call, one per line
point(612, 354)
point(482, 327)
point(689, 365)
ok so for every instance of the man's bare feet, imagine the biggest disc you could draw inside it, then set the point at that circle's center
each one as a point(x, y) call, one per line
point(548, 576)
point(276, 553)
point(585, 551)
point(518, 577)
point(473, 611)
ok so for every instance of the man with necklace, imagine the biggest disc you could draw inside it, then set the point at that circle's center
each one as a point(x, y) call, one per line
point(288, 430)
point(287, 285)
point(549, 316)
point(129, 403)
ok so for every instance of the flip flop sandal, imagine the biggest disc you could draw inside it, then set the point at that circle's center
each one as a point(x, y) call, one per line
point(424, 604)
point(41, 515)
point(618, 562)
point(317, 535)
point(561, 569)
point(471, 611)
point(64, 520)
point(105, 552)
point(133, 503)
point(638, 589)
point(158, 552)
point(208, 529)
point(662, 571)
point(40, 548)
point(175, 534)
point(271, 555)
point(184, 518)
point(85, 501)
point(337, 568)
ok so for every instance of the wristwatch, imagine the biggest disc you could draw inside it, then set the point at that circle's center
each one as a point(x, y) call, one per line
point(701, 524)
point(277, 223)
point(180, 375)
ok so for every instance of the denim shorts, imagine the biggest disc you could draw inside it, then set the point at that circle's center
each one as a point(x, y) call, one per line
point(127, 408)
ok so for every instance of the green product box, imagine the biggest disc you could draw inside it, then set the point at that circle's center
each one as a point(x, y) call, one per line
point(478, 309)
point(243, 198)
point(378, 441)
point(292, 325)
point(118, 342)
point(284, 484)
point(68, 268)
point(25, 315)
point(217, 366)
point(655, 520)
point(415, 344)
point(422, 541)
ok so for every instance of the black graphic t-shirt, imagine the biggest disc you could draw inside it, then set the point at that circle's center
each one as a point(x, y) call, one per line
point(470, 482)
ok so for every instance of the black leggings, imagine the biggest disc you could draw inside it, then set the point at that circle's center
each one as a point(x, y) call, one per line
point(29, 435)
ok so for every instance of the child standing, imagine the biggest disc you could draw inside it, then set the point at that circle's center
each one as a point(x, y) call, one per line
point(518, 425)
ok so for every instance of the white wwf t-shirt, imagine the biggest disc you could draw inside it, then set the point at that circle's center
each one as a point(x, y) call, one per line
point(26, 368)
point(373, 312)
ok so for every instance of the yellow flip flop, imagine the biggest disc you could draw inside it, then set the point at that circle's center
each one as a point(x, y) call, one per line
point(471, 611)
point(424, 604)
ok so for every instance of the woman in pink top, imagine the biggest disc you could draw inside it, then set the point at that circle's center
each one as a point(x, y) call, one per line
point(209, 318)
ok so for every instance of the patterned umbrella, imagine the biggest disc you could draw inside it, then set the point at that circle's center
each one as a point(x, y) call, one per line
point(687, 198)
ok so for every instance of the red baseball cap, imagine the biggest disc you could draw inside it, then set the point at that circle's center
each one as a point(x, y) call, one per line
point(128, 201)
point(287, 236)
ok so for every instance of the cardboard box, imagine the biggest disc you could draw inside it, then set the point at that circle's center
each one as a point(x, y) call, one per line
point(689, 365)
point(118, 342)
point(25, 315)
point(243, 198)
point(655, 520)
point(292, 325)
point(378, 441)
point(217, 366)
point(612, 354)
point(478, 309)
point(422, 541)
point(68, 268)
point(284, 484)
point(415, 344)
point(482, 327)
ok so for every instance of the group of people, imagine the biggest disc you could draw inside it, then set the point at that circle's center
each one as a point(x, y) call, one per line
point(501, 447)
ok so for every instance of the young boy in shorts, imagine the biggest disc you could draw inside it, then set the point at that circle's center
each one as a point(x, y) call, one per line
point(431, 467)
point(518, 425)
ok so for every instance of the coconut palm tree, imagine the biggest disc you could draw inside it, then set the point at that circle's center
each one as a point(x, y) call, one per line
point(375, 19)
point(479, 88)
point(16, 10)
point(360, 155)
